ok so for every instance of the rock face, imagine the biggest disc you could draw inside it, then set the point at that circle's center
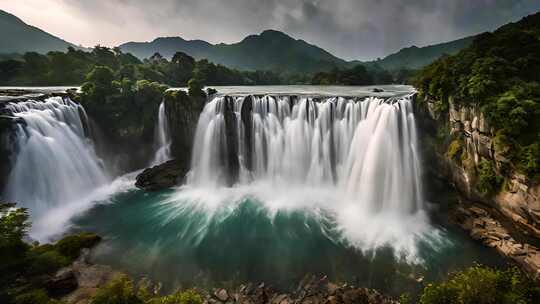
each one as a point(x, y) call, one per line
point(482, 226)
point(88, 279)
point(518, 202)
point(312, 290)
point(182, 112)
point(163, 176)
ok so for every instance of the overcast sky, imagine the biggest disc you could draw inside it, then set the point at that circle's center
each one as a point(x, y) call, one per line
point(351, 29)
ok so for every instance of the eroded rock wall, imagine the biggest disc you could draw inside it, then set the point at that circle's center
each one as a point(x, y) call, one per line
point(182, 113)
point(518, 199)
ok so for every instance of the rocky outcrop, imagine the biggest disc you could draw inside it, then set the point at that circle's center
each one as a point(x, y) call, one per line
point(163, 176)
point(311, 290)
point(86, 277)
point(484, 227)
point(518, 202)
point(182, 113)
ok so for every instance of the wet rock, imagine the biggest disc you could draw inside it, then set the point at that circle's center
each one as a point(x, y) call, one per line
point(62, 283)
point(89, 277)
point(486, 228)
point(310, 290)
point(221, 295)
point(163, 176)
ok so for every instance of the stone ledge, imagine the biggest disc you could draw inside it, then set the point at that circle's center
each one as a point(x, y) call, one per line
point(482, 226)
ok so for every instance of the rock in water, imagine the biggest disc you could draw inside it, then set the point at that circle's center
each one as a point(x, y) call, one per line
point(163, 176)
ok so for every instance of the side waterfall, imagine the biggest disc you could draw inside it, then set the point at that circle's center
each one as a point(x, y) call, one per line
point(55, 164)
point(162, 138)
point(352, 162)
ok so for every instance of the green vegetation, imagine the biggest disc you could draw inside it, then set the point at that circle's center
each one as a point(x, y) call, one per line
point(483, 285)
point(119, 291)
point(122, 290)
point(24, 267)
point(488, 179)
point(72, 68)
point(455, 149)
point(500, 71)
point(417, 57)
point(358, 75)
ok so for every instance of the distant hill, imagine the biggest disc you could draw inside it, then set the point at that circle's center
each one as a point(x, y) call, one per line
point(276, 50)
point(19, 37)
point(417, 57)
point(270, 50)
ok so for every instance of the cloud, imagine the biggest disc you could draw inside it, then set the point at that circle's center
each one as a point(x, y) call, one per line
point(352, 29)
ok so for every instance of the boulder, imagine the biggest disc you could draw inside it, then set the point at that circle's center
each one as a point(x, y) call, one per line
point(62, 283)
point(160, 177)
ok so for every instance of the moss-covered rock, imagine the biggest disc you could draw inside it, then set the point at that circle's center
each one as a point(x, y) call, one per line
point(72, 245)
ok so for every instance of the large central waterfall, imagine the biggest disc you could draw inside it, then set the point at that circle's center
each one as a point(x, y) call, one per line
point(351, 161)
point(55, 166)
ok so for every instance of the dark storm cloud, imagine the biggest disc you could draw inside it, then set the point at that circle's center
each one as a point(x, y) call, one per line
point(352, 29)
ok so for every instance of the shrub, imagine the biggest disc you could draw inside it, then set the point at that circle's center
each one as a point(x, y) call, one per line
point(455, 149)
point(483, 285)
point(189, 296)
point(195, 87)
point(488, 180)
point(118, 291)
point(71, 246)
point(13, 226)
point(529, 160)
point(36, 296)
point(45, 261)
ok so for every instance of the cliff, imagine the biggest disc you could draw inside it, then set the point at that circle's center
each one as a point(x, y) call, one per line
point(182, 111)
point(499, 206)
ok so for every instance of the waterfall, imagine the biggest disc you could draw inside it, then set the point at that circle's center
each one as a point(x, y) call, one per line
point(162, 138)
point(353, 162)
point(366, 147)
point(54, 164)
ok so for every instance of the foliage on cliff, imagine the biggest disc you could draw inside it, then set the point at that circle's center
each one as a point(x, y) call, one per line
point(500, 71)
point(122, 107)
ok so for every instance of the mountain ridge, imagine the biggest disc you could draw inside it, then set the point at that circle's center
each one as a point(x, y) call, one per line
point(20, 37)
point(250, 54)
point(271, 49)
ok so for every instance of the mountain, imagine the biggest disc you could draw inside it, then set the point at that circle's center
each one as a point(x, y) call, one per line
point(270, 50)
point(19, 37)
point(167, 46)
point(417, 57)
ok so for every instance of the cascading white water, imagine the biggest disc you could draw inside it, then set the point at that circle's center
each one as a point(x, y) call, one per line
point(368, 148)
point(355, 159)
point(162, 138)
point(55, 164)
